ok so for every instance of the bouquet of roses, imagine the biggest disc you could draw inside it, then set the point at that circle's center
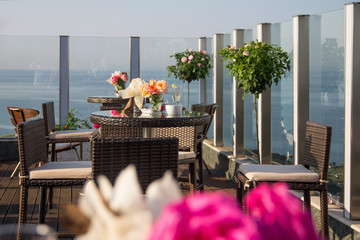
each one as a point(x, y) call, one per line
point(118, 80)
point(154, 89)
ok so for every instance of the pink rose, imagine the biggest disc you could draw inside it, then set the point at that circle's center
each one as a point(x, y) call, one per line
point(203, 59)
point(191, 50)
point(256, 47)
point(96, 126)
point(189, 61)
point(199, 64)
point(204, 216)
point(232, 47)
point(204, 52)
point(279, 214)
point(114, 79)
point(191, 57)
point(124, 77)
point(184, 59)
point(246, 53)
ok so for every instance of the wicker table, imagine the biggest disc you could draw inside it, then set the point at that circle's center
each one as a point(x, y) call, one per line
point(106, 118)
point(109, 103)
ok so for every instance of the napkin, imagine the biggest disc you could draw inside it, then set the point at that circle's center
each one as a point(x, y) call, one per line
point(134, 90)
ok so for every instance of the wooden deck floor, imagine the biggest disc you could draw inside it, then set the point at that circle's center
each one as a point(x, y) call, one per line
point(9, 197)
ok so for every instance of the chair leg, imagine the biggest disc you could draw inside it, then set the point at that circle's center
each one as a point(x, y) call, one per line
point(77, 154)
point(307, 204)
point(201, 173)
point(324, 215)
point(192, 176)
point(42, 207)
point(16, 168)
point(24, 191)
point(52, 152)
point(50, 197)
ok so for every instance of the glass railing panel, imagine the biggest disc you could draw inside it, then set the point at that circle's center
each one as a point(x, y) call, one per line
point(228, 101)
point(155, 57)
point(251, 147)
point(282, 100)
point(327, 88)
point(92, 60)
point(28, 74)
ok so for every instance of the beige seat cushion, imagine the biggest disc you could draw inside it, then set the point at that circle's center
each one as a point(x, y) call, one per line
point(80, 133)
point(284, 173)
point(62, 170)
point(186, 155)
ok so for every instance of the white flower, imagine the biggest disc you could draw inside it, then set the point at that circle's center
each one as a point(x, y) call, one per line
point(122, 212)
point(246, 53)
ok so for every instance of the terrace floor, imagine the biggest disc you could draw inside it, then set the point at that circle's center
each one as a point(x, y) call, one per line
point(9, 197)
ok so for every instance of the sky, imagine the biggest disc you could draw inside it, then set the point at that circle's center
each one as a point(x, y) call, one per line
point(149, 18)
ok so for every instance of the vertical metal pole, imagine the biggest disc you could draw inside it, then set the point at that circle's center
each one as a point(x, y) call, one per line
point(301, 83)
point(64, 80)
point(238, 106)
point(264, 110)
point(218, 90)
point(202, 82)
point(134, 57)
point(352, 111)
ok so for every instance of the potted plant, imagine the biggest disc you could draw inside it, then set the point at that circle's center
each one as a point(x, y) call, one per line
point(190, 65)
point(256, 66)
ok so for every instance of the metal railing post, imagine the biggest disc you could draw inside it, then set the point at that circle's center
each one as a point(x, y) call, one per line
point(134, 57)
point(352, 112)
point(64, 80)
point(202, 82)
point(301, 83)
point(264, 110)
point(218, 91)
point(238, 106)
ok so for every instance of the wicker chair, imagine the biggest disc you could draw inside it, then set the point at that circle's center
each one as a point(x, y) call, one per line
point(209, 109)
point(33, 151)
point(152, 157)
point(298, 177)
point(76, 137)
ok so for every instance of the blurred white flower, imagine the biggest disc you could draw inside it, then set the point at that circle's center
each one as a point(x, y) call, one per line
point(122, 212)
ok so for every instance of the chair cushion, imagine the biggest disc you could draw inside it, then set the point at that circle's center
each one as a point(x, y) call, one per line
point(62, 170)
point(279, 173)
point(80, 133)
point(186, 155)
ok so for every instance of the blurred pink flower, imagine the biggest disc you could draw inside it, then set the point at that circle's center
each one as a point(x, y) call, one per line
point(279, 214)
point(256, 47)
point(114, 79)
point(199, 64)
point(189, 61)
point(205, 216)
point(232, 47)
point(96, 126)
point(246, 53)
point(203, 59)
point(191, 57)
point(204, 52)
point(191, 50)
point(183, 59)
point(124, 77)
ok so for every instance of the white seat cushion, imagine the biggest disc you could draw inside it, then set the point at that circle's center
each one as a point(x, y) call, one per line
point(80, 133)
point(279, 173)
point(62, 170)
point(64, 146)
point(186, 155)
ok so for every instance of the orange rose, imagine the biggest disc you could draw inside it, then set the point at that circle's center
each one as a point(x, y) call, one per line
point(162, 86)
point(152, 82)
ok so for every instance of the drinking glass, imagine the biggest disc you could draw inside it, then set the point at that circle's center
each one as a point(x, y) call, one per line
point(177, 95)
